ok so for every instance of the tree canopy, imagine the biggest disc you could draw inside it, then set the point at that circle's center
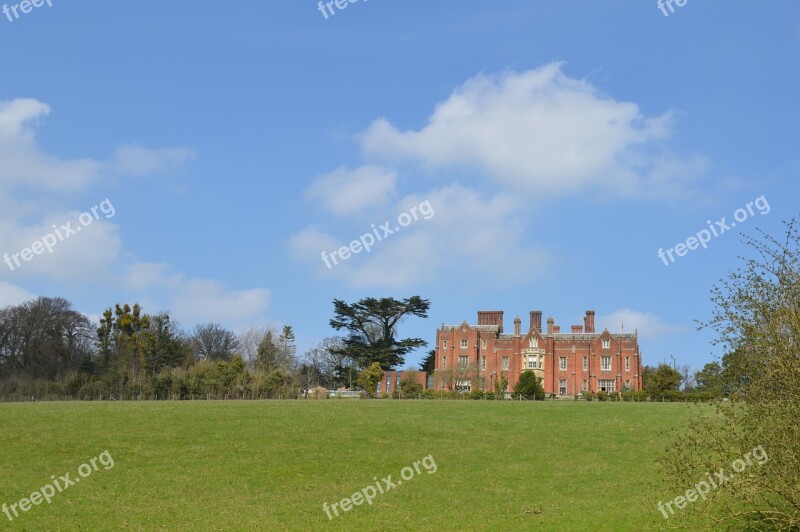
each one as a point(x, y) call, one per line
point(372, 327)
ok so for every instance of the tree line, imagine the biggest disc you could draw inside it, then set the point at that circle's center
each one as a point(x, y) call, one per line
point(48, 350)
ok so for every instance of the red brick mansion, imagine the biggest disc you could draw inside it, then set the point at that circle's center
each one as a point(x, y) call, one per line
point(473, 357)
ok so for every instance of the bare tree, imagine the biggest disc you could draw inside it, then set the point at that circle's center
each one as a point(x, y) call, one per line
point(212, 341)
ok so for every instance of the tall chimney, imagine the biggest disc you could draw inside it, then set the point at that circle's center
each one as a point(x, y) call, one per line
point(588, 321)
point(576, 329)
point(491, 317)
point(517, 325)
point(536, 320)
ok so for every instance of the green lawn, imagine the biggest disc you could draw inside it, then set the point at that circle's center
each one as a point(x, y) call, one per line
point(272, 464)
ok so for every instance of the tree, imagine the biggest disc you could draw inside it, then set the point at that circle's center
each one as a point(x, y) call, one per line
point(43, 338)
point(372, 326)
point(500, 386)
point(735, 378)
point(657, 382)
point(123, 338)
point(529, 386)
point(286, 342)
point(168, 347)
point(369, 378)
point(757, 320)
point(250, 339)
point(267, 358)
point(709, 379)
point(429, 362)
point(326, 362)
point(211, 341)
point(410, 388)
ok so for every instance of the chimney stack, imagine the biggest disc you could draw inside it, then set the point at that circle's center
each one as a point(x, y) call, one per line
point(588, 322)
point(517, 325)
point(577, 329)
point(550, 322)
point(556, 329)
point(491, 317)
point(536, 320)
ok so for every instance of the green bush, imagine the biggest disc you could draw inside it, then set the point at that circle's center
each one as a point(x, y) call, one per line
point(602, 396)
point(627, 395)
point(529, 386)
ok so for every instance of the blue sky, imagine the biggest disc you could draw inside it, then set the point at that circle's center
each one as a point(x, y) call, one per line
point(560, 145)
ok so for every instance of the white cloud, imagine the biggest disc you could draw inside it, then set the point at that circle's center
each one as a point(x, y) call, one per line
point(24, 164)
point(195, 300)
point(94, 255)
point(488, 228)
point(134, 160)
point(347, 192)
point(13, 295)
point(649, 325)
point(539, 130)
point(86, 255)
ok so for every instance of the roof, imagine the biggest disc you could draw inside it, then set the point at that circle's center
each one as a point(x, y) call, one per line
point(487, 328)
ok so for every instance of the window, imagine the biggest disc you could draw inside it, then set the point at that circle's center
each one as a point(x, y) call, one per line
point(605, 363)
point(444, 362)
point(531, 362)
point(483, 344)
point(606, 344)
point(483, 362)
point(585, 385)
point(445, 344)
point(585, 364)
point(605, 385)
point(505, 364)
point(463, 344)
point(627, 386)
point(627, 363)
point(463, 361)
point(562, 387)
point(562, 363)
point(534, 343)
point(541, 362)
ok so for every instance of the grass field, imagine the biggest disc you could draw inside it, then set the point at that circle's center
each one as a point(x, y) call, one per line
point(272, 464)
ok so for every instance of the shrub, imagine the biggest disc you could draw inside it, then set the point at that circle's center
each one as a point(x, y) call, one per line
point(602, 396)
point(529, 386)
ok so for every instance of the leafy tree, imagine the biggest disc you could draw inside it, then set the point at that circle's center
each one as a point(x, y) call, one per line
point(429, 362)
point(709, 379)
point(123, 338)
point(369, 378)
point(286, 341)
point(735, 377)
point(500, 386)
point(268, 355)
point(250, 339)
point(372, 326)
point(757, 320)
point(657, 382)
point(529, 386)
point(410, 388)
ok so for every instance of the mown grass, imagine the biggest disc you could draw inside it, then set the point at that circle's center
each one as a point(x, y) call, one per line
point(272, 464)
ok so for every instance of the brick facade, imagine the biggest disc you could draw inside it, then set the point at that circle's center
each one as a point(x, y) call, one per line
point(473, 356)
point(390, 381)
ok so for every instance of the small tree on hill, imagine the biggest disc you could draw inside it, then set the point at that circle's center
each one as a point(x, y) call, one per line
point(529, 386)
point(369, 378)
